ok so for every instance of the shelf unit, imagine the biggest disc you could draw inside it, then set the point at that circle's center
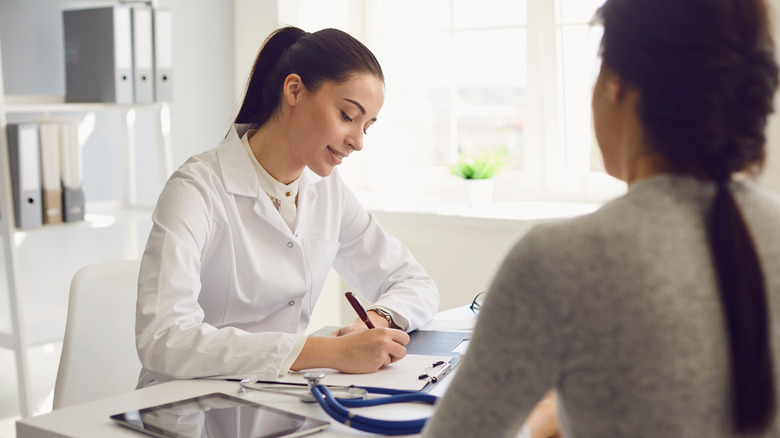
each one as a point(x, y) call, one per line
point(16, 333)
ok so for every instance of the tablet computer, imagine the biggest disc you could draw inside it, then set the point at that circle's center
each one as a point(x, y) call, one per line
point(218, 415)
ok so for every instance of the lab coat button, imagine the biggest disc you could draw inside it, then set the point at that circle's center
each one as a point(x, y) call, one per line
point(291, 303)
point(289, 244)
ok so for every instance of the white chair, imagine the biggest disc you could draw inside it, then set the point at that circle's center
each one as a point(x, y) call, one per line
point(99, 358)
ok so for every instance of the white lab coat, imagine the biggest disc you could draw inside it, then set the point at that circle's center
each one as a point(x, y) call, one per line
point(227, 289)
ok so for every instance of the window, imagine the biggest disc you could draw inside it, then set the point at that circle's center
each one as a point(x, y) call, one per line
point(463, 76)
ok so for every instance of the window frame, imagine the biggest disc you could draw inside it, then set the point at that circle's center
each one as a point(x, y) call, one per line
point(553, 172)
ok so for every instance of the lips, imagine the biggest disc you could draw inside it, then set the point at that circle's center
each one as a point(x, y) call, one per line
point(337, 155)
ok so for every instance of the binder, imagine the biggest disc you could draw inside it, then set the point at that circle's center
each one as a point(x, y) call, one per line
point(163, 55)
point(98, 55)
point(143, 76)
point(25, 156)
point(50, 172)
point(72, 173)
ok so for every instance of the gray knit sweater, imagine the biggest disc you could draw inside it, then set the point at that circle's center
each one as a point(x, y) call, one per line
point(618, 311)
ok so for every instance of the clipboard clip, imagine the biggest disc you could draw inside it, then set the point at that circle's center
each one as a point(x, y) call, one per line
point(435, 372)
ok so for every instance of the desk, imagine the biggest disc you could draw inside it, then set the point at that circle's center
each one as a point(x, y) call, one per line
point(91, 420)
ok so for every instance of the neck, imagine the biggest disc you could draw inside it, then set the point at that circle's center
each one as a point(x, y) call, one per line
point(649, 164)
point(644, 165)
point(271, 148)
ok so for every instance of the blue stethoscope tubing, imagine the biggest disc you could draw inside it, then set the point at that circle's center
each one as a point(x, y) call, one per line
point(337, 409)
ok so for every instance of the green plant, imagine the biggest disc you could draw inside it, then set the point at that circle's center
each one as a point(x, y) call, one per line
point(481, 165)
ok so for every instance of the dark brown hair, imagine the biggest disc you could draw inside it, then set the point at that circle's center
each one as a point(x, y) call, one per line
point(706, 73)
point(329, 55)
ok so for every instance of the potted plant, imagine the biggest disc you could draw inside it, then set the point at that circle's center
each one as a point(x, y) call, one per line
point(478, 169)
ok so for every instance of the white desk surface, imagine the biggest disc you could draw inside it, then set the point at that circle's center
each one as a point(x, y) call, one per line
point(91, 420)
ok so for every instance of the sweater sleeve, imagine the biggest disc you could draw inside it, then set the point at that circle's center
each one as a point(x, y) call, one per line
point(514, 357)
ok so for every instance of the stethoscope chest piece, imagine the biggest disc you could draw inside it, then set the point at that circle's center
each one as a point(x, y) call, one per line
point(354, 397)
point(313, 379)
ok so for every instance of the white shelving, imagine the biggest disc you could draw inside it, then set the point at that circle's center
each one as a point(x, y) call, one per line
point(110, 231)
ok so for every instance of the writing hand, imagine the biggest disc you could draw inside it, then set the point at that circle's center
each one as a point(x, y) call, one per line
point(368, 350)
point(358, 325)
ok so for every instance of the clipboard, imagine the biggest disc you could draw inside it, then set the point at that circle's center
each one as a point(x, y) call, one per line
point(426, 343)
point(402, 375)
point(436, 342)
point(431, 342)
point(440, 343)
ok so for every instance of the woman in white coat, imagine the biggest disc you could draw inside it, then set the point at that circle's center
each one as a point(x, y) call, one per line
point(245, 234)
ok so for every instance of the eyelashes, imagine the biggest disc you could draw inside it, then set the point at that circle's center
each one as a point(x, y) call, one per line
point(349, 119)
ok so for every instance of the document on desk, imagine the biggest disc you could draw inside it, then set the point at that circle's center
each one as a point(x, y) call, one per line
point(405, 374)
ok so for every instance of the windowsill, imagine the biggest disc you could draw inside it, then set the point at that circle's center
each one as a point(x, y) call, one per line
point(437, 208)
point(433, 192)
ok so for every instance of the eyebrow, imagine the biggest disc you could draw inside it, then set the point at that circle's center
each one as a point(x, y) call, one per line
point(360, 107)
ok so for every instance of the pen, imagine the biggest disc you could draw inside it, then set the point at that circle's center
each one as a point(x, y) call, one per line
point(359, 310)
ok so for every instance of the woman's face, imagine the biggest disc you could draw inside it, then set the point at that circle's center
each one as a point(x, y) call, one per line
point(329, 124)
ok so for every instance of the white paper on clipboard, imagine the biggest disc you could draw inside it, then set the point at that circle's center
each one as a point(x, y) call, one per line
point(404, 374)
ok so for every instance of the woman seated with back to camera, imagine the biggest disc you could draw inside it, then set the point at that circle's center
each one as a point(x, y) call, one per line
point(651, 316)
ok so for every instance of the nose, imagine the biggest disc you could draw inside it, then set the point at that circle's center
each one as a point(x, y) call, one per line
point(356, 141)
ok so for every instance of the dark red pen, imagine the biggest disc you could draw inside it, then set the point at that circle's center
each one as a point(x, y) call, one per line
point(359, 309)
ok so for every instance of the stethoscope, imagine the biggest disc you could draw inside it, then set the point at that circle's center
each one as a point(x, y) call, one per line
point(353, 397)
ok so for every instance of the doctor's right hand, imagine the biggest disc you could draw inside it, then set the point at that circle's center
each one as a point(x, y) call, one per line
point(361, 352)
point(369, 350)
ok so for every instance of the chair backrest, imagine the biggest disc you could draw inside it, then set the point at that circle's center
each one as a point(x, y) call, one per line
point(99, 357)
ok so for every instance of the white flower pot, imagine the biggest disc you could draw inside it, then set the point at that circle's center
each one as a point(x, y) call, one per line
point(479, 191)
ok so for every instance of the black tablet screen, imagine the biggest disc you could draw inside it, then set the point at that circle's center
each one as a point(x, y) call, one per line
point(218, 415)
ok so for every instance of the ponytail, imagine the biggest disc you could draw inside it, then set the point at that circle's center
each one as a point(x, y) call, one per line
point(743, 295)
point(328, 55)
point(261, 97)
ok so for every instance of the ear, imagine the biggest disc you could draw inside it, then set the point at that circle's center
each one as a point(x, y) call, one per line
point(292, 89)
point(614, 86)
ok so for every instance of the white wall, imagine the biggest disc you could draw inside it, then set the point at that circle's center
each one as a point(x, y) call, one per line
point(253, 21)
point(461, 254)
point(203, 73)
point(771, 176)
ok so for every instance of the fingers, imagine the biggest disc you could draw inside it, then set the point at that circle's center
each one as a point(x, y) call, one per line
point(369, 350)
point(396, 352)
point(400, 336)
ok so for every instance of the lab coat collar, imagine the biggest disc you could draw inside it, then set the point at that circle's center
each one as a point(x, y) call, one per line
point(240, 178)
point(238, 174)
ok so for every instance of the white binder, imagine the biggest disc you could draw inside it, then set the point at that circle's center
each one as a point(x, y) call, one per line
point(143, 75)
point(163, 55)
point(25, 156)
point(98, 55)
point(50, 172)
